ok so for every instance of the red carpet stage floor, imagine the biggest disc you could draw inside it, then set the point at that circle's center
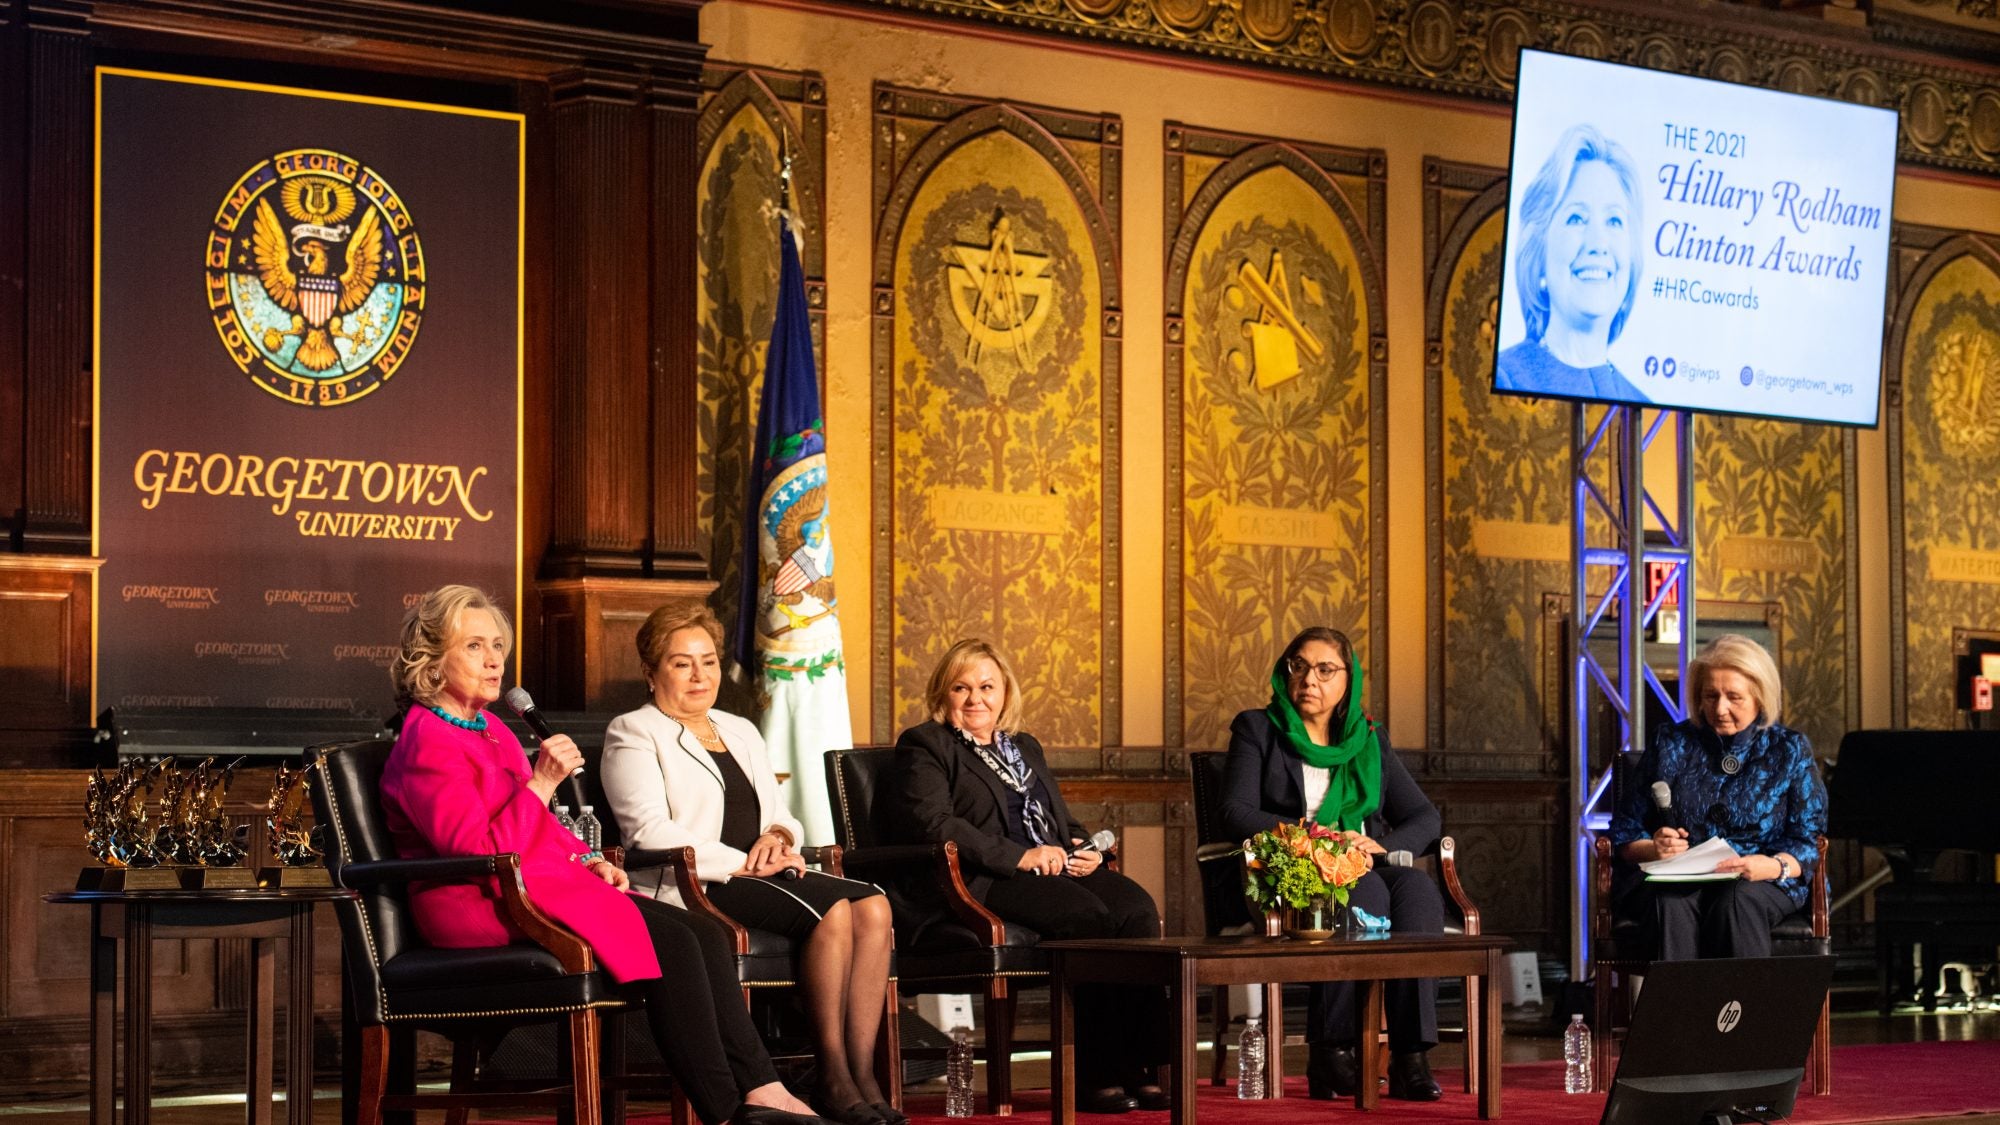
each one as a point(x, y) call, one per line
point(1885, 1082)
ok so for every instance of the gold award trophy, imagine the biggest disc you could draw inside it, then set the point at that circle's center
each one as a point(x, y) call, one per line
point(294, 858)
point(194, 845)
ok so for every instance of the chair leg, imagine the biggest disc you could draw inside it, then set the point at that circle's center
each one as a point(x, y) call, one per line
point(583, 1047)
point(889, 1047)
point(612, 1067)
point(374, 1074)
point(1218, 1003)
point(683, 1113)
point(1600, 1034)
point(464, 1074)
point(999, 1048)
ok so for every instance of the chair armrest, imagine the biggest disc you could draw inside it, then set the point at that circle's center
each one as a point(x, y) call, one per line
point(1600, 889)
point(693, 897)
point(1219, 850)
point(1448, 860)
point(616, 855)
point(827, 857)
point(1822, 926)
point(944, 870)
point(572, 951)
point(444, 868)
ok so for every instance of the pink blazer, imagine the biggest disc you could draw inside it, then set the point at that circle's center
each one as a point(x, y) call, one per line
point(451, 791)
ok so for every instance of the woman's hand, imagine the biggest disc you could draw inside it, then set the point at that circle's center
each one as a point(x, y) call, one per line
point(1366, 843)
point(1084, 862)
point(558, 759)
point(611, 873)
point(1045, 860)
point(1669, 842)
point(1756, 868)
point(768, 852)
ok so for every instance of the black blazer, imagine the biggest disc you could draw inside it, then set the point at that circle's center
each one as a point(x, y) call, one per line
point(944, 792)
point(1263, 782)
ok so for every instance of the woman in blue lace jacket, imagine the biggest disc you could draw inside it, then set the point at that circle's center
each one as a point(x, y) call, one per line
point(1733, 771)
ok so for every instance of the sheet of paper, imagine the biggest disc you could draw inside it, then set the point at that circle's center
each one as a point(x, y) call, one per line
point(1711, 877)
point(1698, 860)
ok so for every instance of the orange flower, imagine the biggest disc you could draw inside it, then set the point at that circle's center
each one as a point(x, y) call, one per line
point(1328, 865)
point(1300, 844)
point(1253, 863)
point(1352, 865)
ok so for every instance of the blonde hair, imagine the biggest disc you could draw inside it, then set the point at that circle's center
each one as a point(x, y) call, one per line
point(955, 661)
point(1732, 652)
point(664, 622)
point(428, 629)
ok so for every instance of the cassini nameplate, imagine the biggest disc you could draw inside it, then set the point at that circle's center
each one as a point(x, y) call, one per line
point(1511, 539)
point(971, 509)
point(1951, 564)
point(1778, 556)
point(1278, 527)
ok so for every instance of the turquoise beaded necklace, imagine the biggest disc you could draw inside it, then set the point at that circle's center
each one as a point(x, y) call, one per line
point(476, 726)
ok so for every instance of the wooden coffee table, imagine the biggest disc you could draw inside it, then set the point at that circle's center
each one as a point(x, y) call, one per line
point(1185, 965)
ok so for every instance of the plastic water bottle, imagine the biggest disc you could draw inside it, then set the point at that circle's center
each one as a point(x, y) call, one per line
point(1576, 1056)
point(563, 818)
point(588, 830)
point(958, 1074)
point(1250, 1060)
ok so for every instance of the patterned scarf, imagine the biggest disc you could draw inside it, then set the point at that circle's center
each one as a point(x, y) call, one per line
point(1015, 774)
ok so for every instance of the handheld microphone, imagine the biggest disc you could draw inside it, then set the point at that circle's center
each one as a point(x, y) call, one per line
point(1663, 815)
point(1103, 841)
point(524, 706)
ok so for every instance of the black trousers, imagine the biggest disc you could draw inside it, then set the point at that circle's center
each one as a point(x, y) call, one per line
point(696, 1012)
point(1121, 1031)
point(1409, 898)
point(1691, 920)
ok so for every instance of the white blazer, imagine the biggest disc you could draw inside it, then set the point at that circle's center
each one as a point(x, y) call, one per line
point(667, 792)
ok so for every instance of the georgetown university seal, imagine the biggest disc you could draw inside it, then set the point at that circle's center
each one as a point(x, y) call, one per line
point(315, 277)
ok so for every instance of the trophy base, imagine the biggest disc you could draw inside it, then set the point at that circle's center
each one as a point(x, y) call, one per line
point(294, 877)
point(128, 879)
point(217, 878)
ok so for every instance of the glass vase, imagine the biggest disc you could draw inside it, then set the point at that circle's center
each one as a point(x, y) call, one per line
point(1320, 919)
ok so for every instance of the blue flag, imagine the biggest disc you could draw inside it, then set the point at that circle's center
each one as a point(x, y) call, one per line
point(787, 636)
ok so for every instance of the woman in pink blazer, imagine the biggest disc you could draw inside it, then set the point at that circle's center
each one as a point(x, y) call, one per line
point(459, 783)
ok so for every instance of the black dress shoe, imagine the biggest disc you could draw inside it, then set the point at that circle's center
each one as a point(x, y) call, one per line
point(1410, 1077)
point(1106, 1099)
point(889, 1113)
point(1332, 1071)
point(1150, 1096)
point(860, 1113)
point(768, 1115)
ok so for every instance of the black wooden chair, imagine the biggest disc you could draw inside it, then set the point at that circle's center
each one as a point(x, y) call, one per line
point(1619, 953)
point(1220, 862)
point(396, 985)
point(959, 946)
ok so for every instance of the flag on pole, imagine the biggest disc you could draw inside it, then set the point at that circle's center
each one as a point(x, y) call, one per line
point(787, 635)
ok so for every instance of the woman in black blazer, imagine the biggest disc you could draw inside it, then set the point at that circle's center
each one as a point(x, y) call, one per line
point(970, 776)
point(1312, 753)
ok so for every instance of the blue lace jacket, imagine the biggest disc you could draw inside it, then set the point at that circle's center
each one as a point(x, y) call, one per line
point(1775, 803)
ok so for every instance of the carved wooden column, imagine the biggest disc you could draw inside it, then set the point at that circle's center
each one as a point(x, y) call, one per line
point(57, 376)
point(13, 255)
point(624, 517)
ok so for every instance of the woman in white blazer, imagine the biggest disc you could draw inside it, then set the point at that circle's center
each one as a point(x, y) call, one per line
point(680, 774)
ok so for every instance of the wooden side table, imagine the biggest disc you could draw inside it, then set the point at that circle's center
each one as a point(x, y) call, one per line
point(139, 916)
point(1184, 965)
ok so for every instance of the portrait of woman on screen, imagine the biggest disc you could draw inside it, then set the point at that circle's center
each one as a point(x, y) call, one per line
point(1576, 271)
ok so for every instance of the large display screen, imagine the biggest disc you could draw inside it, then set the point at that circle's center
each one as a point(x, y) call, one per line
point(1692, 244)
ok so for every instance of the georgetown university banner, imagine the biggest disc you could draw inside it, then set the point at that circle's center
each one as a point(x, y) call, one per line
point(308, 384)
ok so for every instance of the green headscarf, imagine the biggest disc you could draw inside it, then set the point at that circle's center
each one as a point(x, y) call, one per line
point(1353, 765)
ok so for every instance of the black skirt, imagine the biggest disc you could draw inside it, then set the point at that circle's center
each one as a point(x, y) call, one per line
point(792, 907)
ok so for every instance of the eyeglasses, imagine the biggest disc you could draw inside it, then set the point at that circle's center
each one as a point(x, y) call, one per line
point(1321, 672)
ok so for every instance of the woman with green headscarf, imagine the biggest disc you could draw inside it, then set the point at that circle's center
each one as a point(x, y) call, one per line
point(1313, 753)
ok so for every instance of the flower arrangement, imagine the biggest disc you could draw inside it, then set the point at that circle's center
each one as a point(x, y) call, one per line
point(1301, 865)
